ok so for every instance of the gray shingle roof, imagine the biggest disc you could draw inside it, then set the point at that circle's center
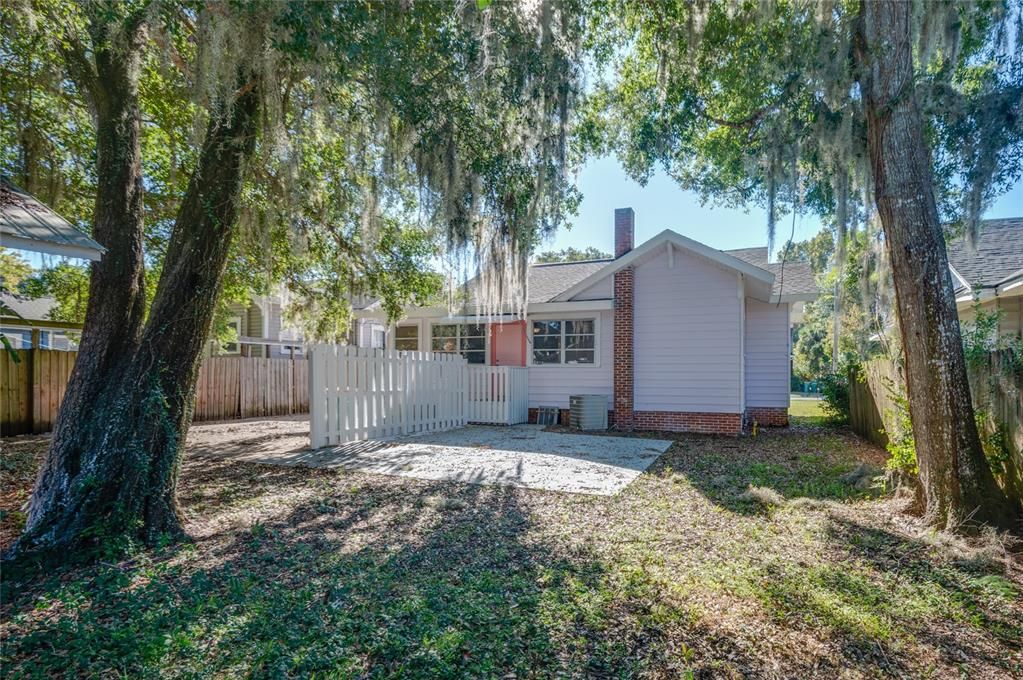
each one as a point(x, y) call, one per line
point(30, 309)
point(547, 281)
point(27, 223)
point(792, 278)
point(998, 255)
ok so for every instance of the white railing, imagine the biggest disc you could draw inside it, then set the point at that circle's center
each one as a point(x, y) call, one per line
point(498, 395)
point(358, 393)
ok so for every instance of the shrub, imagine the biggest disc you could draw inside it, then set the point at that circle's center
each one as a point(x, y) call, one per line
point(901, 445)
point(835, 390)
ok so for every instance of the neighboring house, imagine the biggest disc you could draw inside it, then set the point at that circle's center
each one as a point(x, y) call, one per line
point(991, 274)
point(677, 335)
point(261, 331)
point(28, 224)
point(26, 323)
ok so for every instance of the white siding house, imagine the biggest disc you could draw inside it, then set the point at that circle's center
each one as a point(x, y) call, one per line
point(768, 342)
point(676, 335)
point(688, 336)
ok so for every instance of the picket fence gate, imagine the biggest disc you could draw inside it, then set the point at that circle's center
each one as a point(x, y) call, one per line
point(357, 393)
point(498, 395)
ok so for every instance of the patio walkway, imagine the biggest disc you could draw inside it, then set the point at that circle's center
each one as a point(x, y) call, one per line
point(520, 455)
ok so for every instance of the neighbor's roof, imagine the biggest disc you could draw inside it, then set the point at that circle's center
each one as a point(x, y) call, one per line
point(790, 278)
point(997, 258)
point(29, 309)
point(27, 224)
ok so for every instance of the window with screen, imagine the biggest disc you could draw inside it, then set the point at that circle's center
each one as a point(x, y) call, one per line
point(564, 341)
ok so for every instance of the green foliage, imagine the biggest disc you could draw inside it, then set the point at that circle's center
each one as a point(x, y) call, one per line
point(817, 251)
point(862, 318)
point(759, 102)
point(572, 255)
point(996, 440)
point(13, 270)
point(980, 335)
point(901, 445)
point(68, 284)
point(443, 119)
point(835, 390)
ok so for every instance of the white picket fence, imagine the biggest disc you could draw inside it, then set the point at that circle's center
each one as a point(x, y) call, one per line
point(356, 393)
point(498, 394)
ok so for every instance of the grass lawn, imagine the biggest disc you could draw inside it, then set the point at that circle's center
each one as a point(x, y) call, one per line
point(806, 408)
point(745, 557)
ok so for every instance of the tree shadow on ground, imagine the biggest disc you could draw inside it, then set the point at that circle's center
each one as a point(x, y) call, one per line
point(967, 588)
point(363, 577)
point(824, 464)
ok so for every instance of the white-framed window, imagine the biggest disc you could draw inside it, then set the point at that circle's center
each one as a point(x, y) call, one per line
point(378, 340)
point(406, 338)
point(288, 350)
point(564, 342)
point(235, 322)
point(467, 339)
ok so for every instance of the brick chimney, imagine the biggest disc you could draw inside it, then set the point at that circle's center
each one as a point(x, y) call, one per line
point(624, 415)
point(625, 228)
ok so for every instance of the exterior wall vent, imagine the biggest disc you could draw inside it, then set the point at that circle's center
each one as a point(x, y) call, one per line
point(547, 415)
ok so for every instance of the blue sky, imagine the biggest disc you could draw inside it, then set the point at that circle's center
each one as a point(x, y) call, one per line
point(662, 205)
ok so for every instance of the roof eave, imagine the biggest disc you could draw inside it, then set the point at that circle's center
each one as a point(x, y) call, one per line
point(667, 236)
point(51, 248)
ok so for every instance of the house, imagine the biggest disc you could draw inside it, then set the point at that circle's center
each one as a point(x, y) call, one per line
point(991, 274)
point(261, 331)
point(676, 334)
point(27, 224)
point(26, 323)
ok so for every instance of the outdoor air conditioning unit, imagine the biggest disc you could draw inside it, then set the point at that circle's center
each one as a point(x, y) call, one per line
point(588, 411)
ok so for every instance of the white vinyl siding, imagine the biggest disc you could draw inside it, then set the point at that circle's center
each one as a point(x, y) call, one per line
point(601, 290)
point(767, 354)
point(687, 327)
point(553, 384)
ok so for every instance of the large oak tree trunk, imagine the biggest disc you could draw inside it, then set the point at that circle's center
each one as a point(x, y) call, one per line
point(958, 484)
point(116, 305)
point(129, 445)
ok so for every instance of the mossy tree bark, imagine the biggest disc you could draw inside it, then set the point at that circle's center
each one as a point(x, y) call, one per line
point(957, 481)
point(112, 476)
point(113, 323)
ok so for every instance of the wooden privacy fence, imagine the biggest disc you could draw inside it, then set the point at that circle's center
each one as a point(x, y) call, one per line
point(32, 388)
point(359, 393)
point(872, 400)
point(228, 387)
point(250, 387)
point(997, 390)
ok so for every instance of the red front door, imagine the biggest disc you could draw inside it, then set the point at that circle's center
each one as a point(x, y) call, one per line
point(508, 344)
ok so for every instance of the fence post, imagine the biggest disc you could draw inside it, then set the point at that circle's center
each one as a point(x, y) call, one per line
point(405, 389)
point(317, 397)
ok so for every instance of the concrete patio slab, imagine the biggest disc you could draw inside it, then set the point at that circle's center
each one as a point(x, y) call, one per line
point(520, 455)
